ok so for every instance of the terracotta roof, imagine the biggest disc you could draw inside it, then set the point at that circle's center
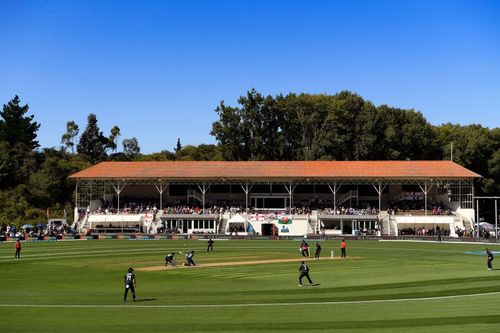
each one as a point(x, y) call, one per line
point(276, 169)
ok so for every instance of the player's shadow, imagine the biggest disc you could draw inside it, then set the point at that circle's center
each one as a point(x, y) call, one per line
point(146, 299)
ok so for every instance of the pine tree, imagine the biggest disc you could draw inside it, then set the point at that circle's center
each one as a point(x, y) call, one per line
point(16, 128)
point(92, 142)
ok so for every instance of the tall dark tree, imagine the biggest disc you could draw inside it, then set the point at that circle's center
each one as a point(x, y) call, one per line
point(404, 134)
point(131, 147)
point(113, 138)
point(178, 146)
point(474, 147)
point(18, 144)
point(307, 125)
point(17, 128)
point(228, 131)
point(68, 138)
point(5, 164)
point(494, 162)
point(92, 142)
point(252, 131)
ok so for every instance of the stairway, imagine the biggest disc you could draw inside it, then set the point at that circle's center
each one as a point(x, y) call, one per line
point(352, 194)
point(312, 223)
point(224, 218)
point(193, 194)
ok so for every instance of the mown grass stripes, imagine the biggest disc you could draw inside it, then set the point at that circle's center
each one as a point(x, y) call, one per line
point(90, 272)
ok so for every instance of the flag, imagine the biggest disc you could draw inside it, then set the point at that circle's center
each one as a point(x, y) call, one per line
point(285, 220)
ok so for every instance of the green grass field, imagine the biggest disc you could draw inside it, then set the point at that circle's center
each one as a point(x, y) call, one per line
point(76, 286)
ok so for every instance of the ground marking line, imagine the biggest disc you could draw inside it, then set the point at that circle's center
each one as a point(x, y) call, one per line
point(435, 241)
point(180, 306)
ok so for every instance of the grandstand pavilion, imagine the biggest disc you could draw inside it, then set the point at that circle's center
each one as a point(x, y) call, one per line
point(276, 197)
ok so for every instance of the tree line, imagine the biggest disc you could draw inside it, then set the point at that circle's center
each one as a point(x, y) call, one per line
point(34, 181)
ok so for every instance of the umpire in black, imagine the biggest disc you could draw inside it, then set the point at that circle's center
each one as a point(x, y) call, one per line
point(210, 247)
point(130, 283)
point(304, 272)
point(318, 251)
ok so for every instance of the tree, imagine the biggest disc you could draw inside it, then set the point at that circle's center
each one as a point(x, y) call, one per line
point(178, 146)
point(199, 153)
point(249, 132)
point(131, 147)
point(68, 138)
point(306, 125)
point(16, 127)
point(228, 132)
point(5, 163)
point(303, 127)
point(113, 138)
point(49, 184)
point(163, 155)
point(92, 141)
point(17, 144)
point(404, 134)
point(474, 147)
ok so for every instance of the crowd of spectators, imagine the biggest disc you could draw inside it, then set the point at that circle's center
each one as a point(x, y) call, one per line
point(214, 210)
point(349, 211)
point(12, 231)
point(422, 231)
point(409, 208)
point(196, 210)
point(189, 210)
point(466, 232)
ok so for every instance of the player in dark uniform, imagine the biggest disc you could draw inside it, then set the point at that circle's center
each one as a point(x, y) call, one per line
point(189, 259)
point(130, 283)
point(170, 259)
point(304, 272)
point(304, 249)
point(318, 251)
point(489, 259)
point(210, 247)
point(18, 249)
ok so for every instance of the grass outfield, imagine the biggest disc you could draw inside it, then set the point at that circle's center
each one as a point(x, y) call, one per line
point(76, 286)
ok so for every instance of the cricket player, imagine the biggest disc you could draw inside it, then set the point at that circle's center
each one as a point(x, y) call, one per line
point(304, 271)
point(130, 283)
point(489, 259)
point(18, 249)
point(189, 259)
point(170, 259)
point(304, 249)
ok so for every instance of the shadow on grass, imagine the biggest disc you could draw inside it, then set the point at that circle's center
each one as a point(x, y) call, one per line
point(146, 299)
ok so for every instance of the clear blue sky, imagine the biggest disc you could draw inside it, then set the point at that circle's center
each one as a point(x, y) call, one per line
point(158, 69)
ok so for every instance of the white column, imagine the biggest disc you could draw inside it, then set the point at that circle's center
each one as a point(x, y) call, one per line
point(118, 189)
point(247, 188)
point(379, 189)
point(161, 188)
point(334, 190)
point(477, 218)
point(290, 189)
point(204, 188)
point(496, 220)
point(426, 190)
